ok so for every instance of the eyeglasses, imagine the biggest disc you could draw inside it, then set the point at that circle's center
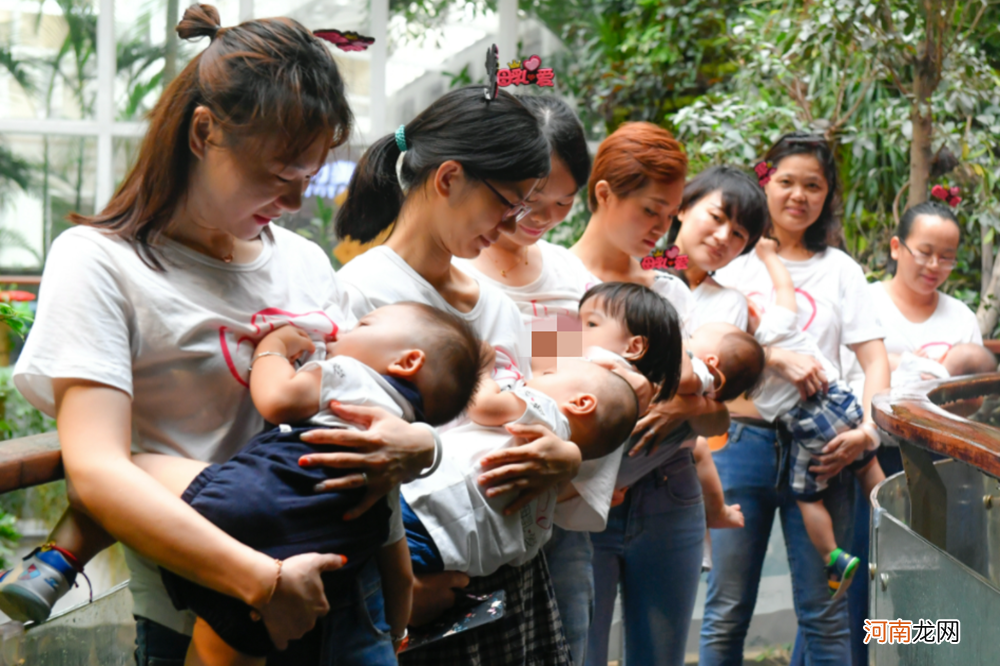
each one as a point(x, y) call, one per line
point(516, 211)
point(923, 259)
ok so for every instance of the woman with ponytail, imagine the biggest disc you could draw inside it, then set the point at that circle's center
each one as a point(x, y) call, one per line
point(653, 542)
point(448, 184)
point(148, 318)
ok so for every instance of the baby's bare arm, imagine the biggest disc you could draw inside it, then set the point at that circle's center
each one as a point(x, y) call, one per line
point(784, 288)
point(279, 393)
point(396, 570)
point(492, 407)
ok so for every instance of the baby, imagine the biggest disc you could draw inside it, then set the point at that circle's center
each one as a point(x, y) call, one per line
point(623, 318)
point(452, 525)
point(811, 423)
point(412, 360)
point(962, 359)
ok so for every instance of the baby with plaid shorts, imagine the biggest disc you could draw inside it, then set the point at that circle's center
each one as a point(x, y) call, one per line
point(810, 423)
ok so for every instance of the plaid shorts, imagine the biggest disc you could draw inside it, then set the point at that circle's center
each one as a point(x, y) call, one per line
point(529, 634)
point(811, 424)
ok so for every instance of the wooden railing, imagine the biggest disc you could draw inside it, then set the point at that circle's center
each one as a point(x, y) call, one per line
point(917, 415)
point(30, 461)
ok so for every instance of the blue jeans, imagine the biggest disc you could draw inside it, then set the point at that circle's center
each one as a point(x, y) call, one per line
point(653, 546)
point(754, 473)
point(354, 632)
point(570, 556)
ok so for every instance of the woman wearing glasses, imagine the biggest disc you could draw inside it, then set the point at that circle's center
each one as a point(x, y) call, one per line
point(448, 183)
point(799, 177)
point(921, 325)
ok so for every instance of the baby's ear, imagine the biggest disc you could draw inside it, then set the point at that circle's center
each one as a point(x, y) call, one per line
point(582, 404)
point(637, 348)
point(408, 363)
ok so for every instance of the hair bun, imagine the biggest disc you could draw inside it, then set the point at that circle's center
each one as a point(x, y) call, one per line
point(199, 21)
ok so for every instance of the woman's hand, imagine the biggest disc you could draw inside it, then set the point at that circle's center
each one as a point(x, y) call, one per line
point(840, 452)
point(803, 371)
point(298, 599)
point(433, 594)
point(664, 417)
point(390, 451)
point(542, 463)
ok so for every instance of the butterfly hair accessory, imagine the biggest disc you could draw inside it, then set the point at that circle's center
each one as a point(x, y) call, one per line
point(345, 41)
point(947, 195)
point(492, 68)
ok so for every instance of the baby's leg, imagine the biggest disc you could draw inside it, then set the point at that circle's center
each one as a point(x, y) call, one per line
point(819, 527)
point(870, 476)
point(176, 474)
point(207, 649)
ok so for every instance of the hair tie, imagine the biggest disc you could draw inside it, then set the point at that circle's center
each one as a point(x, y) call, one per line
point(401, 138)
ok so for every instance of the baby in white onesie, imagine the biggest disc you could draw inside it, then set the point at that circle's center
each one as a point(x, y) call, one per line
point(450, 522)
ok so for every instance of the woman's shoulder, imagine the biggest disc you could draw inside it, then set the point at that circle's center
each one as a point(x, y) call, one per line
point(953, 307)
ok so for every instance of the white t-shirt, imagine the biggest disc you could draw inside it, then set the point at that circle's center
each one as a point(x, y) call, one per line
point(678, 295)
point(952, 323)
point(831, 295)
point(351, 382)
point(469, 529)
point(714, 303)
point(557, 291)
point(381, 277)
point(779, 327)
point(178, 342)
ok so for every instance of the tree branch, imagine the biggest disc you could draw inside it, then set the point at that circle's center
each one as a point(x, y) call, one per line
point(898, 82)
point(866, 80)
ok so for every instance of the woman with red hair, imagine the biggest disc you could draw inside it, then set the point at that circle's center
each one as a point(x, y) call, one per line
point(653, 542)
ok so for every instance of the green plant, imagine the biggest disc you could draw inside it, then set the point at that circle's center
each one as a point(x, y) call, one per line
point(16, 316)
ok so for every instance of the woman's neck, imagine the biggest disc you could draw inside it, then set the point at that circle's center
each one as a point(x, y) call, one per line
point(421, 250)
point(186, 229)
point(790, 244)
point(906, 298)
point(600, 257)
point(694, 274)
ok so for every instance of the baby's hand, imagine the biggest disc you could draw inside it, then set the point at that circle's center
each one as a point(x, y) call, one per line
point(730, 517)
point(291, 341)
point(766, 247)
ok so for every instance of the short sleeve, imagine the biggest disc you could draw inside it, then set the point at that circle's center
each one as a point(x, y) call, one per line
point(860, 316)
point(81, 329)
point(679, 296)
point(726, 305)
point(777, 324)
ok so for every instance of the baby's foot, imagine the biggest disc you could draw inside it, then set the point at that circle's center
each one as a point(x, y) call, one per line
point(840, 572)
point(30, 589)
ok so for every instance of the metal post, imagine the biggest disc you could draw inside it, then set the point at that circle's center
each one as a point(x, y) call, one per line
point(105, 103)
point(508, 31)
point(379, 11)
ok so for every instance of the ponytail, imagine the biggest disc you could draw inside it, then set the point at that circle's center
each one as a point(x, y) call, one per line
point(493, 140)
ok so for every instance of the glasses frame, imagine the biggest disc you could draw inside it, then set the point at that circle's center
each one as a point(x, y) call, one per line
point(922, 259)
point(516, 211)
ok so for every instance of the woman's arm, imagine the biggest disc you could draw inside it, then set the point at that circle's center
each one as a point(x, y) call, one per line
point(94, 422)
point(708, 417)
point(845, 447)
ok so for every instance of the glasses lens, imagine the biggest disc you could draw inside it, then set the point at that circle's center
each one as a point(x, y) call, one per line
point(522, 212)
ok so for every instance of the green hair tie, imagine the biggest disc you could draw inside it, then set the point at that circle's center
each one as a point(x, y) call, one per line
point(401, 138)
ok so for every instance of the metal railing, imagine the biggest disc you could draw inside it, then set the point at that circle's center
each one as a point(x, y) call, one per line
point(935, 541)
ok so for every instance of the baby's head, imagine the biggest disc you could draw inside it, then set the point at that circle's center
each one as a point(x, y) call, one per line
point(601, 406)
point(639, 325)
point(734, 357)
point(435, 350)
point(969, 359)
